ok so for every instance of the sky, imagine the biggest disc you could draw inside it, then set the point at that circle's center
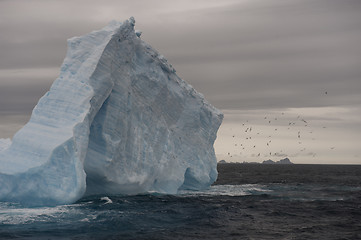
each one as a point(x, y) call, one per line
point(285, 73)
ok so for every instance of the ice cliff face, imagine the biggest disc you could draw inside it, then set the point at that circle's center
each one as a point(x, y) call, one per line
point(118, 120)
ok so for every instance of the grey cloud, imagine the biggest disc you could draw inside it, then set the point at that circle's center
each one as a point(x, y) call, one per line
point(10, 123)
point(241, 55)
point(286, 55)
point(21, 88)
point(21, 99)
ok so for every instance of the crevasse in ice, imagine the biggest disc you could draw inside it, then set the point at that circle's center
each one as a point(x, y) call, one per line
point(117, 120)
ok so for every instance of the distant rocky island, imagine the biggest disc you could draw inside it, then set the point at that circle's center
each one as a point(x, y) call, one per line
point(282, 161)
point(269, 161)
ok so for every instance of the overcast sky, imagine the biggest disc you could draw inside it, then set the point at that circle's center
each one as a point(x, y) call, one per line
point(253, 59)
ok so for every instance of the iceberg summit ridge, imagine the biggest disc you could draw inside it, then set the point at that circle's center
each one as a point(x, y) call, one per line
point(117, 120)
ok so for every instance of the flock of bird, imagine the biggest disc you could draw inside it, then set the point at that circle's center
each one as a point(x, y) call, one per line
point(261, 139)
point(252, 136)
point(265, 137)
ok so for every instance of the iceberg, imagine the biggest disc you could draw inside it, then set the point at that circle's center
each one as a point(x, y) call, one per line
point(117, 120)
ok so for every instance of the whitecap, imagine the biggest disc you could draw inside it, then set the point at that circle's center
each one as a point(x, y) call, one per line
point(228, 190)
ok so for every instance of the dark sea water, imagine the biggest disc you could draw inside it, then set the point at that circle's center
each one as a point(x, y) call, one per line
point(248, 201)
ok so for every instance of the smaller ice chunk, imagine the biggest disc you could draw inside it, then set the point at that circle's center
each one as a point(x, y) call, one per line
point(107, 200)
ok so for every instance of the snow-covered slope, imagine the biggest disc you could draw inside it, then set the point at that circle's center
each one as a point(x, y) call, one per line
point(117, 120)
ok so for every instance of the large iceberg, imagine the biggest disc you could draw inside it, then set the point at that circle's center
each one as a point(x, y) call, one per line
point(117, 120)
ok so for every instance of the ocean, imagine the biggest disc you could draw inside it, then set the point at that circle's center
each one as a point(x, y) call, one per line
point(248, 201)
